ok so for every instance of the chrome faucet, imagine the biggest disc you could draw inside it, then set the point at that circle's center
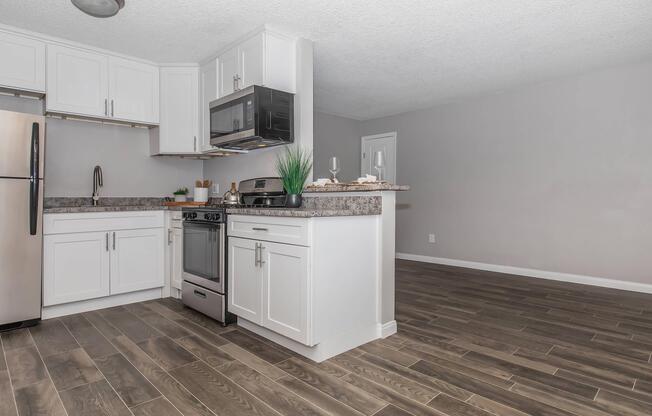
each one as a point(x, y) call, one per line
point(97, 184)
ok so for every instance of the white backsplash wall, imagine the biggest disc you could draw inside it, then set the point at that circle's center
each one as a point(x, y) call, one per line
point(73, 148)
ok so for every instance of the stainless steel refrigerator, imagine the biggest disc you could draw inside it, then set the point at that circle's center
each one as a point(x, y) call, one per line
point(21, 218)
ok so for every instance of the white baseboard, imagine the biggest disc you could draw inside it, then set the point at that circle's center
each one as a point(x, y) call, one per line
point(56, 311)
point(540, 274)
point(387, 329)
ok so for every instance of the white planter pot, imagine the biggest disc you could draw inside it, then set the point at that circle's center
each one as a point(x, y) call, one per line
point(179, 198)
point(201, 195)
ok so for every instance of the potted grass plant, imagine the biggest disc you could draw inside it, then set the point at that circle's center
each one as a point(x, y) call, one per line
point(180, 195)
point(294, 167)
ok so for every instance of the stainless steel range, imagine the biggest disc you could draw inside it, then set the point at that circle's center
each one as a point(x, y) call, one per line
point(204, 284)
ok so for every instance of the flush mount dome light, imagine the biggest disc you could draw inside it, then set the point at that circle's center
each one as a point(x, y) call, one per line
point(99, 8)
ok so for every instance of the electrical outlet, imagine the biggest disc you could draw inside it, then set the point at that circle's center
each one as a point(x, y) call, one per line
point(431, 238)
point(216, 189)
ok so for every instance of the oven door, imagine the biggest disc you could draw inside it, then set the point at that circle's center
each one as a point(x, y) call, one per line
point(203, 254)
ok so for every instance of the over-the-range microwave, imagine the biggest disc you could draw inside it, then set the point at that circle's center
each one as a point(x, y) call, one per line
point(252, 118)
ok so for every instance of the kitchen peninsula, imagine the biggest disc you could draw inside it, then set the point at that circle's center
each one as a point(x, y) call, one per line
point(317, 279)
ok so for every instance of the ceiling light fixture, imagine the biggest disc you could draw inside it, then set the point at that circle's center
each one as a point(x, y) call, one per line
point(99, 8)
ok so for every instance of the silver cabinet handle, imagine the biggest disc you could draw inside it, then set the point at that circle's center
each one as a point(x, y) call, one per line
point(169, 237)
point(111, 108)
point(107, 241)
point(195, 143)
point(269, 120)
point(259, 229)
point(235, 83)
point(260, 251)
point(114, 241)
point(256, 256)
point(106, 106)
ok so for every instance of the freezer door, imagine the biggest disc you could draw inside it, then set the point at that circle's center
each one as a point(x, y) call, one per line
point(20, 252)
point(18, 133)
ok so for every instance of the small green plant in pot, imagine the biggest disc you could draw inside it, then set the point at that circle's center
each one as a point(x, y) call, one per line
point(180, 195)
point(294, 167)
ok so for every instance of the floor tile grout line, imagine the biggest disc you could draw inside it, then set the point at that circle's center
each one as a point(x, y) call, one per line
point(47, 370)
point(93, 359)
point(11, 384)
point(127, 358)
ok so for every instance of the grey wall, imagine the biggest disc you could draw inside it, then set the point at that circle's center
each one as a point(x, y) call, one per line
point(556, 176)
point(336, 136)
point(73, 148)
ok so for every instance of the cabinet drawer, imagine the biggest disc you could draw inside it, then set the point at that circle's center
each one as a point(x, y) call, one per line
point(101, 221)
point(282, 230)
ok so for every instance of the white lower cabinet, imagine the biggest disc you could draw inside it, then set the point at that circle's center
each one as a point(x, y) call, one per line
point(268, 285)
point(137, 260)
point(286, 273)
point(176, 256)
point(97, 261)
point(245, 280)
point(75, 267)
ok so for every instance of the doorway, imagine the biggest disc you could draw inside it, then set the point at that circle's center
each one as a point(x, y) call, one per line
point(385, 142)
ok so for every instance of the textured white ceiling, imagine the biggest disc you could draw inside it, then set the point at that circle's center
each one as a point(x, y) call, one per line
point(376, 57)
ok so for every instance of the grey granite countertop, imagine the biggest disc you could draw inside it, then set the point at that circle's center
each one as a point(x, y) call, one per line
point(63, 205)
point(313, 206)
point(301, 212)
point(119, 208)
point(355, 187)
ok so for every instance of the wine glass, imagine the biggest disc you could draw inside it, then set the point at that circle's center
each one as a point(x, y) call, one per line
point(379, 163)
point(334, 167)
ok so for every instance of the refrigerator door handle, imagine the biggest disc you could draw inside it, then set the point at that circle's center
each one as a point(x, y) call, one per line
point(34, 180)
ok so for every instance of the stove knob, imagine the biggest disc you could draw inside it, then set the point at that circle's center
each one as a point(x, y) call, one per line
point(193, 215)
point(217, 217)
point(207, 216)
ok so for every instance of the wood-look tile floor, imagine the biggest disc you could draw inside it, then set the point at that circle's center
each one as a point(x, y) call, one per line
point(469, 343)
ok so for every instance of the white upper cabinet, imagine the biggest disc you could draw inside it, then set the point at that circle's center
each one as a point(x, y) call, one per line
point(23, 63)
point(208, 92)
point(251, 62)
point(266, 59)
point(133, 90)
point(92, 84)
point(229, 71)
point(77, 82)
point(178, 132)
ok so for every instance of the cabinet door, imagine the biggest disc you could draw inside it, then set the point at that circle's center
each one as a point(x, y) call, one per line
point(23, 63)
point(208, 92)
point(245, 280)
point(133, 91)
point(179, 110)
point(228, 68)
point(286, 295)
point(75, 267)
point(77, 82)
point(176, 268)
point(137, 260)
point(251, 61)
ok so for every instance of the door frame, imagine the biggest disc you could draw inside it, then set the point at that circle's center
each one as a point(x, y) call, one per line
point(363, 139)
